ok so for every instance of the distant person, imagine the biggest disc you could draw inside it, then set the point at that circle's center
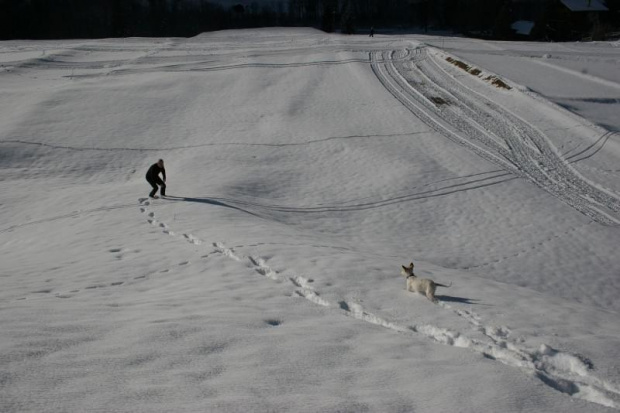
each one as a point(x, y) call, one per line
point(152, 176)
point(372, 32)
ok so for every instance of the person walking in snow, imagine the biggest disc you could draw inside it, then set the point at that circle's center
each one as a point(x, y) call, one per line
point(152, 177)
point(372, 32)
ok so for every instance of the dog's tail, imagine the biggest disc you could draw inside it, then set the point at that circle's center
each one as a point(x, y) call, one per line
point(442, 285)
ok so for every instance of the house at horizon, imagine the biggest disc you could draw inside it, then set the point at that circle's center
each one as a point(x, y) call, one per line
point(558, 20)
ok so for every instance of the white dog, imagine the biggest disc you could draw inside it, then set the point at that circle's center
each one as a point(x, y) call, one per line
point(420, 285)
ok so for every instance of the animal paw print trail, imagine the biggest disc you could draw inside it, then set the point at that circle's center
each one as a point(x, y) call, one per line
point(561, 371)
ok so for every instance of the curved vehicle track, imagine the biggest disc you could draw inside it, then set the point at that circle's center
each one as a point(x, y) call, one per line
point(417, 79)
point(416, 76)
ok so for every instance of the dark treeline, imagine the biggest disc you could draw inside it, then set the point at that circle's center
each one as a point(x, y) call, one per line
point(54, 19)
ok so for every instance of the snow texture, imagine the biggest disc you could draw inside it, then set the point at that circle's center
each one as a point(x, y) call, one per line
point(304, 169)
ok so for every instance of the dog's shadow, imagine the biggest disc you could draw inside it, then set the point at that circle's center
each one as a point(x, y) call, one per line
point(462, 300)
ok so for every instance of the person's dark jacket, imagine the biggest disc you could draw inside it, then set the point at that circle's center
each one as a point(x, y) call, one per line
point(153, 173)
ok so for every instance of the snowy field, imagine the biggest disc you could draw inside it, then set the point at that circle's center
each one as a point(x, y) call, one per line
point(303, 170)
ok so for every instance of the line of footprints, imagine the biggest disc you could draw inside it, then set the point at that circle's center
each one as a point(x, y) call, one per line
point(118, 254)
point(559, 370)
point(564, 372)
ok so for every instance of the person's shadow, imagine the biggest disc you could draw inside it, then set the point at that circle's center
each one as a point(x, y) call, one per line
point(208, 201)
point(214, 202)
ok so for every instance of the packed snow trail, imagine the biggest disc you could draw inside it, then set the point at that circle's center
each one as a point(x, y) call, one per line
point(418, 80)
point(559, 370)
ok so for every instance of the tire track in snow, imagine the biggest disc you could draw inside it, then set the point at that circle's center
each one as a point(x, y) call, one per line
point(494, 133)
point(177, 58)
point(559, 370)
point(171, 63)
point(534, 152)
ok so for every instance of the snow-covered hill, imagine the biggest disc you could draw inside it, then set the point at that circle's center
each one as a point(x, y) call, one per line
point(303, 170)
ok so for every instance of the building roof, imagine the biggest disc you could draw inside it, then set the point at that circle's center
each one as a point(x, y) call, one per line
point(585, 5)
point(523, 27)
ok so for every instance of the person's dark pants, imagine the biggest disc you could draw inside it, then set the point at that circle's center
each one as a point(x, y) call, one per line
point(154, 184)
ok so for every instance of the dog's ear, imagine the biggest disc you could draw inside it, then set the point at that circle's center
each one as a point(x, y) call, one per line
point(411, 266)
point(404, 268)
